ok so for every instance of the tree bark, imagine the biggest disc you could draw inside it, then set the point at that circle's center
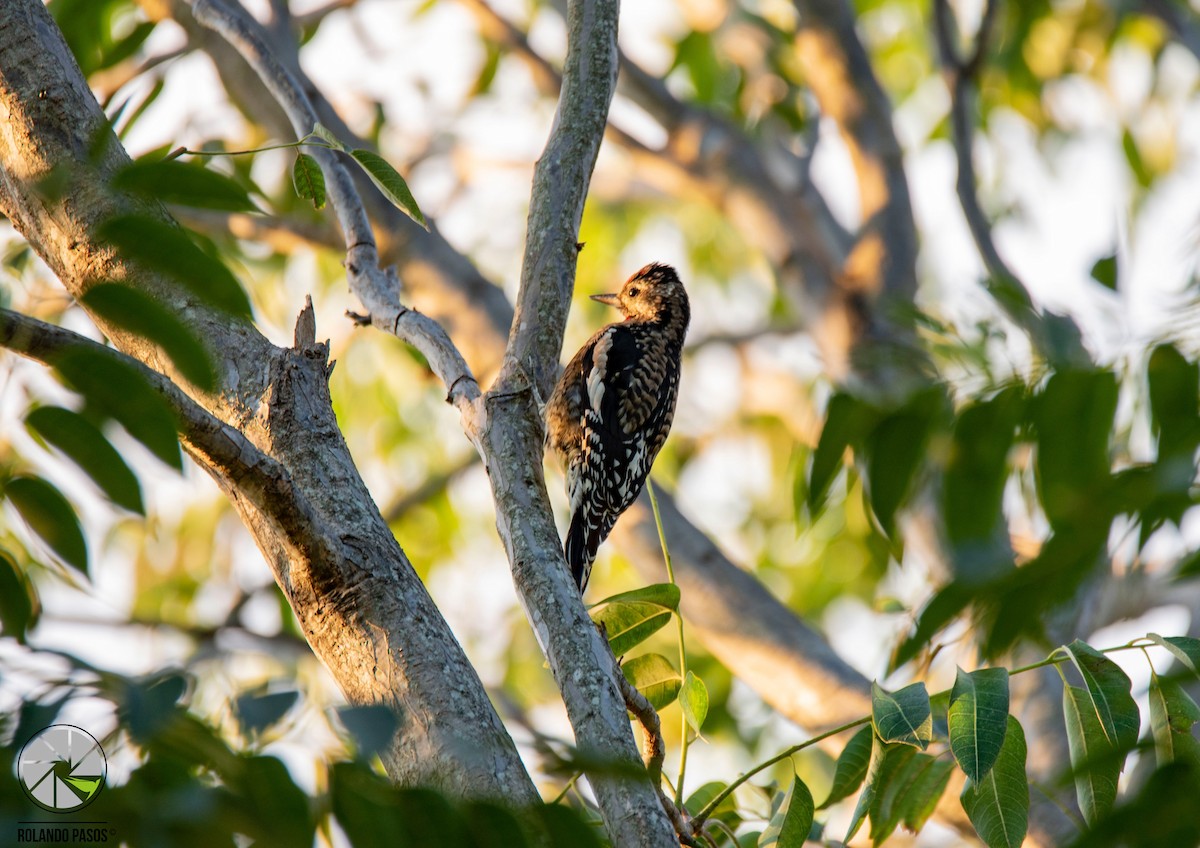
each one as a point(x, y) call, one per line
point(363, 609)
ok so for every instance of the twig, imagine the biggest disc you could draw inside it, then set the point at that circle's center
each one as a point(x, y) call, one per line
point(1004, 286)
point(377, 288)
point(653, 753)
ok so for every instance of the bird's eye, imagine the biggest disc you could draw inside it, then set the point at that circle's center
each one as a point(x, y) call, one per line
point(634, 292)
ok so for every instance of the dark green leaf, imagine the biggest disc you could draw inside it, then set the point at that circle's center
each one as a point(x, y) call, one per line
point(1175, 406)
point(896, 449)
point(50, 516)
point(118, 390)
point(665, 595)
point(492, 826)
point(910, 785)
point(167, 250)
point(559, 825)
point(978, 717)
point(139, 313)
point(881, 752)
point(791, 823)
point(257, 711)
point(973, 485)
point(903, 716)
point(1172, 714)
point(1108, 689)
point(949, 601)
point(276, 810)
point(851, 767)
point(1104, 271)
point(309, 180)
point(149, 705)
point(1093, 763)
point(1073, 415)
point(693, 698)
point(183, 183)
point(629, 624)
point(1163, 814)
point(847, 419)
point(655, 677)
point(87, 447)
point(372, 727)
point(388, 180)
point(19, 606)
point(998, 805)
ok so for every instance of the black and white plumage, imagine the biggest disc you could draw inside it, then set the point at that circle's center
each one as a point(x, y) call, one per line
point(611, 411)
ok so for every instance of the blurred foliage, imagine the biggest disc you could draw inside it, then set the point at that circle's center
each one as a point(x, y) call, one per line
point(1038, 479)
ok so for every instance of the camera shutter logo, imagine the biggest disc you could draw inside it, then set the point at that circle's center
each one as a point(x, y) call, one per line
point(62, 768)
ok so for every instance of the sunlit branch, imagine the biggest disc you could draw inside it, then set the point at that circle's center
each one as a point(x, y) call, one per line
point(377, 288)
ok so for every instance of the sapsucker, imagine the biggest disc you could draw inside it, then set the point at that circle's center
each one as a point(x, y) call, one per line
point(611, 411)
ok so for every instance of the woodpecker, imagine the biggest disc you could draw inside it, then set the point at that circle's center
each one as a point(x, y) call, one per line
point(611, 411)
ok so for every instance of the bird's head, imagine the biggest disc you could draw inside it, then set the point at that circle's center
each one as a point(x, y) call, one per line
point(652, 294)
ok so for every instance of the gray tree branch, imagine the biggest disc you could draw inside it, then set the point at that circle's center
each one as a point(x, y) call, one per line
point(362, 608)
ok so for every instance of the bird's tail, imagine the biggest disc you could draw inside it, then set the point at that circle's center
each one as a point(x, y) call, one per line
point(580, 549)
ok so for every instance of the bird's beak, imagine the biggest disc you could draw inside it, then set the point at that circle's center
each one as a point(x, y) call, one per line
point(608, 299)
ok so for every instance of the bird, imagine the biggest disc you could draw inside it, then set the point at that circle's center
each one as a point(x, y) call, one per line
point(612, 408)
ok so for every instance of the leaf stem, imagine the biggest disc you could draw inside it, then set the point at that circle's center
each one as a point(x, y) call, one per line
point(662, 540)
point(306, 141)
point(1054, 659)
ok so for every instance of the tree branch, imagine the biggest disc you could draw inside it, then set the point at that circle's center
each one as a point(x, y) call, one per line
point(376, 288)
point(1055, 337)
point(358, 604)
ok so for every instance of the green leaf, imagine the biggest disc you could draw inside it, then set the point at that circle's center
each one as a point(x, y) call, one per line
point(325, 134)
point(1175, 406)
point(1093, 761)
point(19, 606)
point(910, 785)
point(903, 716)
point(139, 313)
point(925, 790)
point(1108, 689)
point(630, 624)
point(693, 699)
point(973, 484)
point(851, 767)
point(257, 711)
point(655, 677)
point(790, 825)
point(183, 183)
point(388, 180)
point(1072, 461)
point(880, 753)
point(168, 250)
point(50, 516)
point(665, 595)
point(847, 419)
point(1172, 714)
point(998, 805)
point(978, 718)
point(1104, 271)
point(309, 180)
point(279, 808)
point(371, 725)
point(896, 449)
point(1184, 648)
point(87, 447)
point(118, 390)
point(1133, 156)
